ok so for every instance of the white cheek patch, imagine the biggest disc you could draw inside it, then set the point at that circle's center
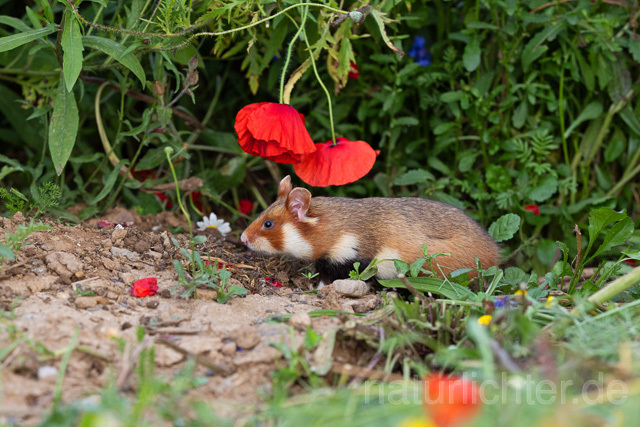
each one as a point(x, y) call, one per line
point(262, 245)
point(345, 249)
point(386, 269)
point(294, 244)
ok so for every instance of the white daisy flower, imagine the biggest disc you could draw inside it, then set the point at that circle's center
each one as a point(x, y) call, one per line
point(213, 222)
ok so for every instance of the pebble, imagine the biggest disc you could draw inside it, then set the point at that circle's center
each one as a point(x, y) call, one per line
point(115, 251)
point(229, 349)
point(300, 320)
point(118, 235)
point(152, 304)
point(350, 288)
point(47, 372)
point(83, 302)
point(245, 337)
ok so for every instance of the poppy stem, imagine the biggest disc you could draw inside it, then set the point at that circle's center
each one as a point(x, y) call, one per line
point(315, 71)
point(290, 49)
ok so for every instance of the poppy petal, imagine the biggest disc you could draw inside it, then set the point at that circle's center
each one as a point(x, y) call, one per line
point(450, 400)
point(339, 164)
point(273, 131)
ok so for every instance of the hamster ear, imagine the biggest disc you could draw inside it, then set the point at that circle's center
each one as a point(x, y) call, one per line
point(285, 187)
point(298, 202)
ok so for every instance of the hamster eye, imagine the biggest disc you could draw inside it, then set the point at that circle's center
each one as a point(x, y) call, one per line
point(267, 224)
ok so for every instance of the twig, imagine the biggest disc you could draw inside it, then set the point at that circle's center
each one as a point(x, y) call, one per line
point(129, 360)
point(204, 361)
point(504, 357)
point(414, 291)
point(174, 331)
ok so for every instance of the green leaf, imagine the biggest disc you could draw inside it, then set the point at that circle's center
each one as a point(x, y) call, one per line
point(116, 50)
point(634, 49)
point(404, 121)
point(63, 127)
point(618, 234)
point(72, 50)
point(590, 112)
point(471, 56)
point(378, 17)
point(600, 219)
point(544, 190)
point(451, 96)
point(435, 286)
point(6, 252)
point(108, 185)
point(498, 178)
point(14, 22)
point(504, 227)
point(534, 49)
point(415, 176)
point(519, 115)
point(16, 40)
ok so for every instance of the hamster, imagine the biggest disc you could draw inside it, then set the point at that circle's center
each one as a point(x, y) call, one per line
point(335, 232)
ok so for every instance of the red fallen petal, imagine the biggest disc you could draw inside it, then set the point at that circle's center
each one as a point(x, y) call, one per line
point(532, 208)
point(272, 282)
point(103, 223)
point(144, 287)
point(339, 164)
point(196, 196)
point(245, 206)
point(273, 131)
point(220, 265)
point(450, 400)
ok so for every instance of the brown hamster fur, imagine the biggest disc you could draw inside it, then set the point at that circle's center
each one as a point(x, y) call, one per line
point(335, 232)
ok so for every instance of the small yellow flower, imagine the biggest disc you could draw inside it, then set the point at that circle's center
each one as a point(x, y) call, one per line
point(484, 320)
point(521, 292)
point(550, 301)
point(416, 422)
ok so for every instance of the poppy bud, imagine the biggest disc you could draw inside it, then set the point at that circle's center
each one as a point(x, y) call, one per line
point(356, 16)
point(192, 77)
point(193, 63)
point(158, 89)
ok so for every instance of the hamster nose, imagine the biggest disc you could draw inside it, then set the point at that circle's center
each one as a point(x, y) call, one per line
point(244, 239)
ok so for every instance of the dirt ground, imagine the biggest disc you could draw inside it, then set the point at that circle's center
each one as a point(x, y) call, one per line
point(232, 340)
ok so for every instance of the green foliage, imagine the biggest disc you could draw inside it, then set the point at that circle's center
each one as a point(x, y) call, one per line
point(14, 241)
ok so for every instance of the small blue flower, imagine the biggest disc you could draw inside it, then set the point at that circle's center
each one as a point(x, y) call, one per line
point(419, 51)
point(501, 302)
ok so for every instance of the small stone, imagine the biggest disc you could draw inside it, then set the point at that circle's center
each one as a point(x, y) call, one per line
point(300, 320)
point(78, 275)
point(115, 251)
point(109, 264)
point(245, 337)
point(47, 372)
point(86, 302)
point(229, 349)
point(141, 247)
point(165, 293)
point(152, 304)
point(351, 288)
point(118, 235)
point(366, 304)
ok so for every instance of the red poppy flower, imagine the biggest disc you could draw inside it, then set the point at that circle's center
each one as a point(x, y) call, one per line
point(145, 287)
point(450, 400)
point(339, 164)
point(165, 200)
point(354, 71)
point(532, 208)
point(245, 206)
point(273, 131)
point(196, 197)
